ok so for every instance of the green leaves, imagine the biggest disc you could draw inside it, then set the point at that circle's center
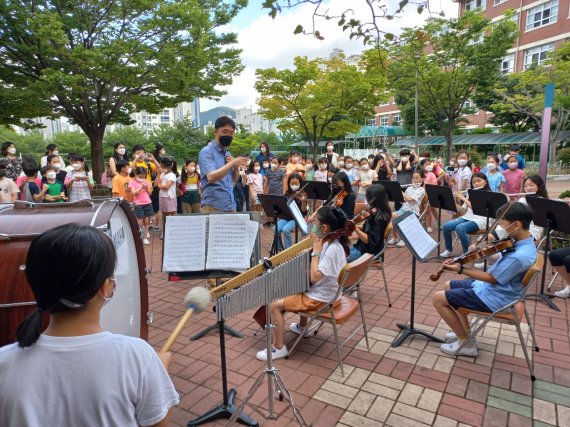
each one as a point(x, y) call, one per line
point(298, 29)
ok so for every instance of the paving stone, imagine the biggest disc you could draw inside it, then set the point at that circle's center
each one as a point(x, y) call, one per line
point(381, 390)
point(397, 421)
point(362, 402)
point(495, 417)
point(387, 381)
point(554, 388)
point(332, 398)
point(410, 394)
point(357, 378)
point(509, 395)
point(441, 421)
point(380, 409)
point(552, 397)
point(355, 420)
point(541, 424)
point(444, 364)
point(509, 406)
point(563, 416)
point(414, 413)
point(341, 389)
point(430, 400)
point(544, 411)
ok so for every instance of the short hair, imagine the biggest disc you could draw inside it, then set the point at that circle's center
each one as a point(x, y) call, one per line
point(47, 168)
point(323, 160)
point(166, 161)
point(5, 145)
point(141, 170)
point(137, 148)
point(517, 212)
point(515, 148)
point(405, 152)
point(224, 121)
point(494, 157)
point(50, 157)
point(346, 158)
point(121, 164)
point(50, 148)
point(29, 166)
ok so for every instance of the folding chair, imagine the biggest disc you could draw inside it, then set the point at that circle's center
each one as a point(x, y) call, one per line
point(510, 313)
point(378, 262)
point(342, 307)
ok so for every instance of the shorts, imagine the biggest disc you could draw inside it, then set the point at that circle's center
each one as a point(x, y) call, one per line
point(301, 302)
point(402, 211)
point(142, 211)
point(167, 204)
point(154, 199)
point(560, 257)
point(461, 294)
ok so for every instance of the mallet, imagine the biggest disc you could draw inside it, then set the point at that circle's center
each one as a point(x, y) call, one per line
point(196, 300)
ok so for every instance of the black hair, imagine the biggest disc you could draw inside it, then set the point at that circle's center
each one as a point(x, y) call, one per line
point(481, 176)
point(343, 177)
point(266, 145)
point(405, 152)
point(469, 162)
point(371, 156)
point(323, 160)
point(378, 193)
point(46, 168)
point(2, 171)
point(348, 158)
point(494, 157)
point(5, 146)
point(517, 212)
point(121, 164)
point(167, 162)
point(116, 155)
point(29, 166)
point(79, 158)
point(224, 121)
point(80, 259)
point(540, 184)
point(137, 148)
point(295, 153)
point(175, 168)
point(336, 220)
point(50, 148)
point(141, 170)
point(292, 176)
point(156, 152)
point(184, 174)
point(50, 157)
point(252, 165)
point(364, 159)
point(377, 158)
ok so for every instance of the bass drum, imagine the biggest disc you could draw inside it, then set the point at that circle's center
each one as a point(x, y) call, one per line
point(127, 313)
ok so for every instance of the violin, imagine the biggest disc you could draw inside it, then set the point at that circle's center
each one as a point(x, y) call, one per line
point(507, 244)
point(340, 198)
point(350, 224)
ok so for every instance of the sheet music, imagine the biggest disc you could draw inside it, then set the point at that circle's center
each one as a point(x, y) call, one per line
point(299, 219)
point(253, 229)
point(416, 237)
point(228, 242)
point(185, 243)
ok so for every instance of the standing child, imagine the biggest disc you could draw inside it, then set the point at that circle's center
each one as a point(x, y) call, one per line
point(496, 178)
point(431, 179)
point(309, 170)
point(141, 190)
point(78, 182)
point(294, 166)
point(412, 199)
point(273, 182)
point(514, 177)
point(367, 176)
point(122, 179)
point(255, 184)
point(352, 173)
point(166, 183)
point(462, 178)
point(53, 189)
point(191, 186)
point(8, 188)
point(31, 192)
point(321, 175)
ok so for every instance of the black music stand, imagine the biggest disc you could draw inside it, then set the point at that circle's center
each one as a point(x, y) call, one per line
point(440, 197)
point(421, 245)
point(317, 190)
point(552, 215)
point(486, 203)
point(275, 206)
point(393, 190)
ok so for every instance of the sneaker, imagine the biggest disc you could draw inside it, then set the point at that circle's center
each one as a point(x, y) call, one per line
point(470, 350)
point(392, 241)
point(146, 241)
point(429, 230)
point(564, 293)
point(294, 327)
point(451, 337)
point(147, 235)
point(446, 254)
point(276, 353)
point(401, 244)
point(156, 228)
point(161, 236)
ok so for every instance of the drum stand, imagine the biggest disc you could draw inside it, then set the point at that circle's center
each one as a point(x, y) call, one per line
point(273, 378)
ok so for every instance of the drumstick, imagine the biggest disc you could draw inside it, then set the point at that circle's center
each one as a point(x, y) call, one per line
point(196, 300)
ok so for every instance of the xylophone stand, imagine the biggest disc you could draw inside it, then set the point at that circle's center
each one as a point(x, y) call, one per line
point(273, 379)
point(227, 408)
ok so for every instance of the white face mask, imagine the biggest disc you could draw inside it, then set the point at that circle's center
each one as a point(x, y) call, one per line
point(341, 164)
point(56, 166)
point(365, 167)
point(12, 150)
point(295, 187)
point(330, 148)
point(322, 166)
point(263, 149)
point(308, 167)
point(50, 175)
point(55, 153)
point(404, 158)
point(129, 170)
point(512, 165)
point(76, 166)
point(329, 179)
point(191, 169)
point(274, 166)
point(417, 184)
point(121, 151)
point(294, 159)
point(140, 179)
point(462, 162)
point(257, 168)
point(348, 165)
point(265, 165)
point(491, 166)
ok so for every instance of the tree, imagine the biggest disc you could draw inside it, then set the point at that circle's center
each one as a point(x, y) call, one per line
point(96, 62)
point(320, 97)
point(449, 61)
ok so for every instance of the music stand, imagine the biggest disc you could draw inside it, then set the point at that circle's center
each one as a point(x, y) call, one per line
point(552, 215)
point(317, 190)
point(486, 203)
point(421, 245)
point(275, 206)
point(440, 197)
point(393, 190)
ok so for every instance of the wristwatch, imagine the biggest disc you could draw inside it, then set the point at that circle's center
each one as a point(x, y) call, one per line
point(316, 254)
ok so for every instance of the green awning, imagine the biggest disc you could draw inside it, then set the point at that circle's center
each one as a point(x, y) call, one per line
point(520, 138)
point(306, 143)
point(377, 131)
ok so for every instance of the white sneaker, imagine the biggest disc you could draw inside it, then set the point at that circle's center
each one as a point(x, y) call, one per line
point(276, 353)
point(470, 350)
point(564, 293)
point(294, 327)
point(146, 241)
point(446, 254)
point(392, 241)
point(401, 244)
point(147, 235)
point(479, 265)
point(429, 230)
point(451, 337)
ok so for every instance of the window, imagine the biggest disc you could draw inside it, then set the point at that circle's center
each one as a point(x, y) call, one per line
point(384, 120)
point(537, 55)
point(165, 116)
point(396, 119)
point(475, 4)
point(496, 2)
point(508, 64)
point(543, 14)
point(469, 107)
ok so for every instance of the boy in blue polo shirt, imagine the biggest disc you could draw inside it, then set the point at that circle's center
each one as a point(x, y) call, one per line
point(487, 291)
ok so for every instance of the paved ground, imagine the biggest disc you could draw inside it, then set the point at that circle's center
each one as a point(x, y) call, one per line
point(411, 385)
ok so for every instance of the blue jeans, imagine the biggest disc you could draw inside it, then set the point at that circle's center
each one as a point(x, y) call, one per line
point(462, 228)
point(354, 254)
point(285, 227)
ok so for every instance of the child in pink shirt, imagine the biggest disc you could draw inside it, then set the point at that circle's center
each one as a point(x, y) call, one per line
point(141, 191)
point(513, 176)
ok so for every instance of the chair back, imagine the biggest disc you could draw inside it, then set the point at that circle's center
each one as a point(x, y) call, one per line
point(354, 272)
point(533, 270)
point(388, 230)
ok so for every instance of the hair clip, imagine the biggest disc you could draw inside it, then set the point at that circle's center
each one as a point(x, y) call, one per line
point(70, 304)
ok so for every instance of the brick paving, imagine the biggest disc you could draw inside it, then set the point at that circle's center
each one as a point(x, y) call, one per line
point(413, 385)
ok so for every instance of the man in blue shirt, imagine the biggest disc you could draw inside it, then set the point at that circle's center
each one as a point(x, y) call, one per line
point(219, 171)
point(515, 151)
point(487, 291)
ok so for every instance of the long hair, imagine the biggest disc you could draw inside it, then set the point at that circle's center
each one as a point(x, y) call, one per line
point(184, 173)
point(540, 184)
point(378, 193)
point(79, 259)
point(481, 176)
point(336, 220)
point(116, 155)
point(292, 176)
point(79, 158)
point(343, 177)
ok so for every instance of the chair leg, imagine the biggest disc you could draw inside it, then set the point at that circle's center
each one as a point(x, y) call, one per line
point(474, 333)
point(299, 337)
point(525, 351)
point(336, 339)
point(360, 302)
point(531, 330)
point(386, 285)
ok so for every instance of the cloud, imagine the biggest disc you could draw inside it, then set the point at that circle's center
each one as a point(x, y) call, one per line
point(270, 42)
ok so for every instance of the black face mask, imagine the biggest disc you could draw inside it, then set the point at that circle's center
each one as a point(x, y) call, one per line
point(225, 140)
point(336, 188)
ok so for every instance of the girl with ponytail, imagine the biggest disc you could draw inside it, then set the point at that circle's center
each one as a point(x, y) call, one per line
point(70, 270)
point(327, 260)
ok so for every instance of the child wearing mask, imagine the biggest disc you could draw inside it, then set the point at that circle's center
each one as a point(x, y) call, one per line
point(255, 184)
point(122, 179)
point(295, 166)
point(284, 226)
point(309, 170)
point(321, 175)
point(8, 188)
point(78, 182)
point(190, 182)
point(141, 190)
point(331, 156)
point(430, 179)
point(367, 176)
point(53, 189)
point(413, 196)
point(514, 177)
point(273, 182)
point(351, 172)
point(166, 183)
point(495, 177)
point(382, 168)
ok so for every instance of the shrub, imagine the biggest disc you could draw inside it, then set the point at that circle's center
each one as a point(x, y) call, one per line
point(564, 155)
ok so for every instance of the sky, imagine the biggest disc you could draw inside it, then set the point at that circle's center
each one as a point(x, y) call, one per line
point(267, 42)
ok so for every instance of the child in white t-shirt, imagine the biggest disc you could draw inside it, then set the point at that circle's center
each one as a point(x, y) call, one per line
point(166, 183)
point(413, 197)
point(367, 176)
point(321, 174)
point(255, 184)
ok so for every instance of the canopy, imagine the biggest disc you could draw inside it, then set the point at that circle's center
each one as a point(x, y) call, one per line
point(376, 131)
point(519, 138)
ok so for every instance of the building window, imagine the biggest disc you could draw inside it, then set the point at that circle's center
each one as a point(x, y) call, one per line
point(165, 116)
point(496, 2)
point(508, 64)
point(384, 120)
point(396, 119)
point(543, 14)
point(537, 55)
point(475, 4)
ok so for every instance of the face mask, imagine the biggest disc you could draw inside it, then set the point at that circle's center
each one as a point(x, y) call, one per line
point(50, 175)
point(329, 179)
point(257, 168)
point(191, 170)
point(162, 152)
point(308, 167)
point(340, 164)
point(107, 299)
point(121, 151)
point(295, 187)
point(226, 140)
point(76, 166)
point(439, 160)
point(129, 170)
point(330, 148)
point(55, 153)
point(265, 165)
point(491, 166)
point(263, 149)
point(316, 231)
point(294, 159)
point(417, 184)
point(462, 162)
point(140, 179)
point(348, 165)
point(322, 166)
point(337, 188)
point(56, 166)
point(429, 168)
point(12, 150)
point(404, 158)
point(274, 166)
point(513, 165)
point(365, 167)
point(511, 229)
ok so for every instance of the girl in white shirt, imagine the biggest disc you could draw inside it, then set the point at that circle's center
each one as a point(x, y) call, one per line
point(327, 260)
point(166, 183)
point(413, 197)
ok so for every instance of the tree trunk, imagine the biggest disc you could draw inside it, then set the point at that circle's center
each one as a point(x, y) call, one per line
point(97, 161)
point(448, 140)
